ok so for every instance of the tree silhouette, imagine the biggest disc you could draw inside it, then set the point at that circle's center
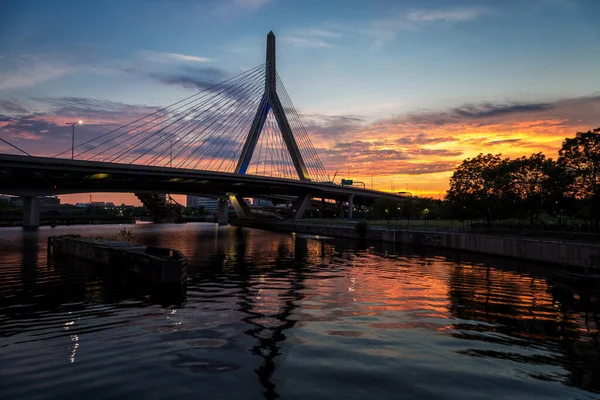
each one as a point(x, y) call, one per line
point(532, 184)
point(580, 159)
point(478, 186)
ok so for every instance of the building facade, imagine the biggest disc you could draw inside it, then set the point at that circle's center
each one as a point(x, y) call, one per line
point(207, 203)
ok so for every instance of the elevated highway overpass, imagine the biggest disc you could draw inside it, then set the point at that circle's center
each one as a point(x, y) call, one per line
point(31, 176)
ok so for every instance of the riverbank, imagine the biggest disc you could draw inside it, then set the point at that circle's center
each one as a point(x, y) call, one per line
point(563, 253)
point(56, 220)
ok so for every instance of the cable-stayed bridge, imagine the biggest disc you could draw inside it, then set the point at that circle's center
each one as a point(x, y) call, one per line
point(239, 138)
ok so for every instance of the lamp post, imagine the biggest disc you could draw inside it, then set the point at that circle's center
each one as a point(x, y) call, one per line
point(73, 136)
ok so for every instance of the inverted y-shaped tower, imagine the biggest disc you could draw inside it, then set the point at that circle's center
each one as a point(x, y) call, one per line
point(270, 101)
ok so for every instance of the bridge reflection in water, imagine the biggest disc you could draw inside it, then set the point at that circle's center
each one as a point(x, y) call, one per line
point(271, 315)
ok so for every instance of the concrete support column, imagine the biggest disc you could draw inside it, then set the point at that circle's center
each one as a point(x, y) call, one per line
point(340, 207)
point(223, 212)
point(350, 205)
point(300, 205)
point(31, 212)
point(241, 208)
point(322, 208)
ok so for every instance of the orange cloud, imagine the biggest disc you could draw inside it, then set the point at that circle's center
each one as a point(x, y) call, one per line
point(414, 152)
point(418, 152)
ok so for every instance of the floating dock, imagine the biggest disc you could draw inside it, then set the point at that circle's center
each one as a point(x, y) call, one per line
point(162, 266)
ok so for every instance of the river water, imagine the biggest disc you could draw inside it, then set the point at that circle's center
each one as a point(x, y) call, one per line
point(271, 315)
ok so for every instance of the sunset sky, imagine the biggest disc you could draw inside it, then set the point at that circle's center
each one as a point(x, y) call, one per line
point(402, 90)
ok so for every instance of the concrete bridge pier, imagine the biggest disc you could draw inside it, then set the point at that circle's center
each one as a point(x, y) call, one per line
point(31, 212)
point(223, 212)
point(241, 208)
point(300, 205)
point(350, 206)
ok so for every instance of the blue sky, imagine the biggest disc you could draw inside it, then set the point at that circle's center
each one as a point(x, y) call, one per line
point(345, 56)
point(349, 66)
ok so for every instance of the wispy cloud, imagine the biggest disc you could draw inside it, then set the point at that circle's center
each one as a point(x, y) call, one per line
point(252, 4)
point(426, 143)
point(490, 113)
point(164, 57)
point(305, 42)
point(449, 15)
point(331, 126)
point(323, 33)
point(44, 132)
point(31, 75)
point(235, 8)
point(12, 107)
point(27, 70)
point(209, 79)
point(432, 143)
point(386, 29)
point(312, 38)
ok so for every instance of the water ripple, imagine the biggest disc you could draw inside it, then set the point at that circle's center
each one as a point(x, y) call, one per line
point(270, 315)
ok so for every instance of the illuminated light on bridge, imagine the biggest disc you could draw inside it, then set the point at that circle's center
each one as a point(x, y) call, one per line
point(99, 176)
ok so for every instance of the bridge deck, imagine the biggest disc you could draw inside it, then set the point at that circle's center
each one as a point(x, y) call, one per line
point(37, 176)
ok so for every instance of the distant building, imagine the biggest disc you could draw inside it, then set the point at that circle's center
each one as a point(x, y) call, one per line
point(261, 202)
point(191, 201)
point(49, 200)
point(197, 202)
point(44, 200)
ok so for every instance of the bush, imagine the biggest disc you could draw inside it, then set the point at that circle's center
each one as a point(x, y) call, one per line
point(361, 228)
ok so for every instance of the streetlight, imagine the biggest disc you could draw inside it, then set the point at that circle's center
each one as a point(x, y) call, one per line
point(80, 122)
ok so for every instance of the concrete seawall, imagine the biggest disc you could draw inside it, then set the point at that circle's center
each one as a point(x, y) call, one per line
point(572, 254)
point(158, 265)
point(55, 220)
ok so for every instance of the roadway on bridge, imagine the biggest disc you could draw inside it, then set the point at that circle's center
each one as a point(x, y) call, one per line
point(39, 176)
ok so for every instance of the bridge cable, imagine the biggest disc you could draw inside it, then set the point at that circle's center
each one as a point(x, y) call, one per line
point(190, 122)
point(207, 96)
point(239, 133)
point(205, 134)
point(318, 167)
point(213, 133)
point(205, 92)
point(139, 142)
point(303, 133)
point(12, 145)
point(301, 140)
point(188, 127)
point(236, 129)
